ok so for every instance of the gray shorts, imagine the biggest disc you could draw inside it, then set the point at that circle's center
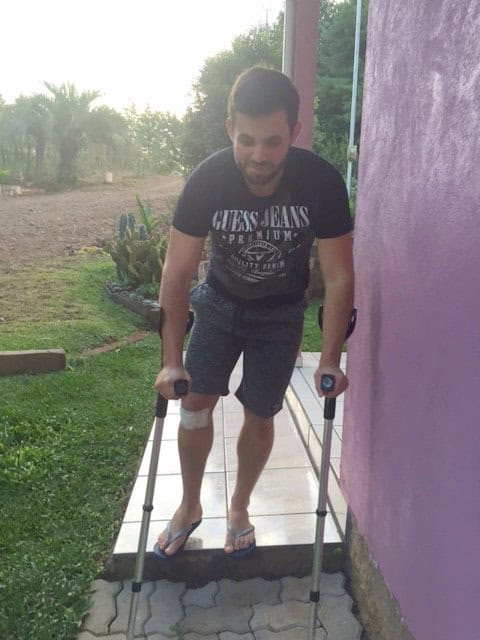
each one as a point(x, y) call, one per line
point(268, 337)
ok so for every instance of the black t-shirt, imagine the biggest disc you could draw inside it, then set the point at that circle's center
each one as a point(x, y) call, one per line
point(261, 245)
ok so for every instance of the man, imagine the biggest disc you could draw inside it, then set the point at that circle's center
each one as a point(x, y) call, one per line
point(263, 202)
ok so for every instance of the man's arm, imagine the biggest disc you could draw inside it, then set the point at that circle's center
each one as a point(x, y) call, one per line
point(336, 262)
point(181, 262)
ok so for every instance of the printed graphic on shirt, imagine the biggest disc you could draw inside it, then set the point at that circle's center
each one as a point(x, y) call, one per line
point(256, 244)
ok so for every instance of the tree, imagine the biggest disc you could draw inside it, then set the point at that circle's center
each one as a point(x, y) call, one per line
point(159, 136)
point(72, 118)
point(8, 135)
point(104, 125)
point(109, 129)
point(34, 121)
point(334, 78)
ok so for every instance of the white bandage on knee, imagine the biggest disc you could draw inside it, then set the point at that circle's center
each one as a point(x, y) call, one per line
point(194, 419)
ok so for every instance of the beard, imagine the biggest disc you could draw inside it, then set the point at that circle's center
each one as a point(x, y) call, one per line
point(262, 178)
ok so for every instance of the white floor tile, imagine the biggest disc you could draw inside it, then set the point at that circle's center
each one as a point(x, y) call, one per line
point(285, 498)
point(168, 493)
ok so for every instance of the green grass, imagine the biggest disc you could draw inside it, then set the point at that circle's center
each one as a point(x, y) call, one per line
point(312, 338)
point(61, 304)
point(70, 442)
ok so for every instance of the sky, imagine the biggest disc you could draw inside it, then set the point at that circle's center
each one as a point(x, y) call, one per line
point(141, 52)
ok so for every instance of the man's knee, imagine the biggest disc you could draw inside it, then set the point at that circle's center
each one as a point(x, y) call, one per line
point(192, 420)
point(196, 411)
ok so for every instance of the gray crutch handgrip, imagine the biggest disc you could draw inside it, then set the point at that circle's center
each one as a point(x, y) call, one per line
point(181, 389)
point(327, 383)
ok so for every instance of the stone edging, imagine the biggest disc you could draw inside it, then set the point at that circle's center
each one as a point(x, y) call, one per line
point(148, 309)
point(32, 361)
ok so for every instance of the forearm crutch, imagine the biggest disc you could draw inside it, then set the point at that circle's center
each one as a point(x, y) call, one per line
point(327, 383)
point(181, 389)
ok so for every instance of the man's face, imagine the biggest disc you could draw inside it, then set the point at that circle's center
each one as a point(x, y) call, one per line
point(260, 147)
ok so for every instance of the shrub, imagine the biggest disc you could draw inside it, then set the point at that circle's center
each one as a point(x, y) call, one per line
point(139, 251)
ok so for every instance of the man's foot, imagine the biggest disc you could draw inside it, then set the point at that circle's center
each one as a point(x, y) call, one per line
point(175, 535)
point(240, 534)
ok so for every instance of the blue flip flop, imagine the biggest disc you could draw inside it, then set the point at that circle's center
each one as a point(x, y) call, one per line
point(236, 535)
point(187, 532)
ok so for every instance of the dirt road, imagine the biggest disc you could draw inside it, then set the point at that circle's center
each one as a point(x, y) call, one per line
point(37, 226)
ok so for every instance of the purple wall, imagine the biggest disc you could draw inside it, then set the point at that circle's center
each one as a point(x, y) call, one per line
point(411, 451)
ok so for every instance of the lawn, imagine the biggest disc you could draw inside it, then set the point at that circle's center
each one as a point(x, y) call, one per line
point(61, 304)
point(70, 442)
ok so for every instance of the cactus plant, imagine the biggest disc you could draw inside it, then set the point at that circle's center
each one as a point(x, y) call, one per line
point(138, 252)
point(122, 226)
point(146, 216)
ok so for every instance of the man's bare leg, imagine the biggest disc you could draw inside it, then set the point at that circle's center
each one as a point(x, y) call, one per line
point(253, 449)
point(193, 446)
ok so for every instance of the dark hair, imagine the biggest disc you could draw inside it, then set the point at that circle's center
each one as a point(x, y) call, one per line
point(260, 91)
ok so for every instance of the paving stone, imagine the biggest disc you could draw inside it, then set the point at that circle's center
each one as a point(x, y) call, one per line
point(123, 600)
point(297, 633)
point(247, 592)
point(98, 585)
point(195, 636)
point(228, 635)
point(203, 597)
point(165, 607)
point(299, 588)
point(103, 609)
point(295, 589)
point(337, 618)
point(217, 619)
point(279, 617)
point(332, 584)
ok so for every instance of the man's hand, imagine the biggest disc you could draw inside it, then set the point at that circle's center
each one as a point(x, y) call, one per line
point(167, 378)
point(341, 380)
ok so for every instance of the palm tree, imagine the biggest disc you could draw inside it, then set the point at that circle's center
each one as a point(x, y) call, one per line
point(71, 115)
point(10, 133)
point(33, 115)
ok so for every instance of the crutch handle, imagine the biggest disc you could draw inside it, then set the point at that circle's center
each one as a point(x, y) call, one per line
point(181, 389)
point(329, 408)
point(327, 383)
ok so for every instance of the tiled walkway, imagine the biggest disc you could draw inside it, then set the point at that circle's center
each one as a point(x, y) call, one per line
point(307, 408)
point(283, 511)
point(285, 498)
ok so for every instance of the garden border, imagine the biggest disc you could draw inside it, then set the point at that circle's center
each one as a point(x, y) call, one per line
point(145, 307)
